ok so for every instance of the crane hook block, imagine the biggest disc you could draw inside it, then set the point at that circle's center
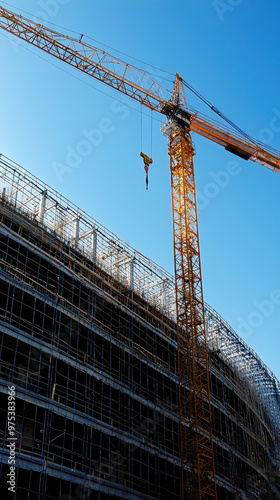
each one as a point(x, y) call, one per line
point(146, 159)
point(147, 162)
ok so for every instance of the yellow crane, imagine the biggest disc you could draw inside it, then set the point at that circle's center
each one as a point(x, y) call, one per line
point(197, 451)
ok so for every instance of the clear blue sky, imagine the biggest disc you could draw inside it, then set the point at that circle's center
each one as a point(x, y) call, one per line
point(229, 51)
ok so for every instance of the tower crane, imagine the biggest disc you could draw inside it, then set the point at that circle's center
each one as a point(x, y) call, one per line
point(198, 477)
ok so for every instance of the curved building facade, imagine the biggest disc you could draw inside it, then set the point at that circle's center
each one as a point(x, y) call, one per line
point(89, 365)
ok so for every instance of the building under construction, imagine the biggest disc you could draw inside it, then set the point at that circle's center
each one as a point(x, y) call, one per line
point(88, 340)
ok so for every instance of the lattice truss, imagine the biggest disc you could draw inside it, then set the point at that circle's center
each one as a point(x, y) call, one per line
point(56, 214)
point(91, 60)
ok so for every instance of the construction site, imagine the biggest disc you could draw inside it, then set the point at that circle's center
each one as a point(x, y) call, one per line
point(117, 380)
point(88, 339)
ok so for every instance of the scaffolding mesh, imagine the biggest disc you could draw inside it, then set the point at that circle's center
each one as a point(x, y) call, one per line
point(88, 338)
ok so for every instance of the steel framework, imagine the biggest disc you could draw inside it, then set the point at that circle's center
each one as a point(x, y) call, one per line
point(195, 406)
point(94, 362)
point(139, 86)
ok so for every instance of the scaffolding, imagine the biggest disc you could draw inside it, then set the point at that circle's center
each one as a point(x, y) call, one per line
point(88, 339)
point(63, 219)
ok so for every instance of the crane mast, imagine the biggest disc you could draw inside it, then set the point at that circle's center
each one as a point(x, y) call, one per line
point(197, 452)
point(198, 471)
